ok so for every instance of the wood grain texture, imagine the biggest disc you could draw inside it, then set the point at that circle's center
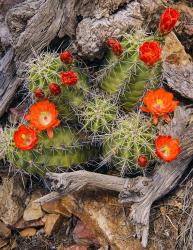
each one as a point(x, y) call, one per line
point(8, 80)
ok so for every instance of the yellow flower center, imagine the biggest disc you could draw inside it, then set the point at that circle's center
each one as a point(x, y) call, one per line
point(45, 118)
point(165, 151)
point(158, 104)
point(26, 139)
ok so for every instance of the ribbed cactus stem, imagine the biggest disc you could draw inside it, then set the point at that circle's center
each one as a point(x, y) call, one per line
point(98, 115)
point(63, 150)
point(45, 69)
point(118, 72)
point(133, 136)
point(138, 83)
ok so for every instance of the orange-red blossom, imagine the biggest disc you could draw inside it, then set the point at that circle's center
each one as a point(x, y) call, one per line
point(43, 116)
point(159, 103)
point(25, 138)
point(167, 148)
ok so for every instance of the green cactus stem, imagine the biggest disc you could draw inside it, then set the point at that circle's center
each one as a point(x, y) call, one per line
point(63, 150)
point(98, 115)
point(139, 82)
point(45, 69)
point(118, 70)
point(133, 136)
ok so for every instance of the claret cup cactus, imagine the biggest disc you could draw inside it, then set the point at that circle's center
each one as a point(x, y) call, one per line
point(73, 121)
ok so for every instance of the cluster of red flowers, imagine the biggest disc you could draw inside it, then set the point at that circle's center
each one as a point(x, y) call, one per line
point(68, 78)
point(66, 57)
point(25, 138)
point(150, 52)
point(167, 148)
point(159, 103)
point(168, 20)
point(42, 116)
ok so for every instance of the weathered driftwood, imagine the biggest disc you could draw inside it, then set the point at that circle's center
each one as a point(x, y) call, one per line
point(142, 191)
point(179, 78)
point(8, 80)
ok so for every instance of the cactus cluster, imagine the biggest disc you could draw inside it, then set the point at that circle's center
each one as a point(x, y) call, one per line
point(105, 108)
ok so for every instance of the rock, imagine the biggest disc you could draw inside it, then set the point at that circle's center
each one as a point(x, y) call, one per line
point(189, 29)
point(3, 243)
point(12, 200)
point(77, 247)
point(13, 244)
point(33, 211)
point(28, 232)
point(5, 232)
point(101, 212)
point(52, 223)
point(173, 51)
point(74, 247)
point(6, 5)
point(22, 224)
point(56, 207)
point(92, 33)
point(83, 235)
point(17, 113)
point(61, 247)
point(177, 67)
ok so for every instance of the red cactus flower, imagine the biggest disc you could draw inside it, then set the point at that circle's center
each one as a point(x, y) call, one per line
point(167, 148)
point(66, 57)
point(150, 52)
point(159, 103)
point(168, 20)
point(25, 138)
point(54, 88)
point(115, 45)
point(68, 78)
point(43, 116)
point(142, 161)
point(39, 93)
